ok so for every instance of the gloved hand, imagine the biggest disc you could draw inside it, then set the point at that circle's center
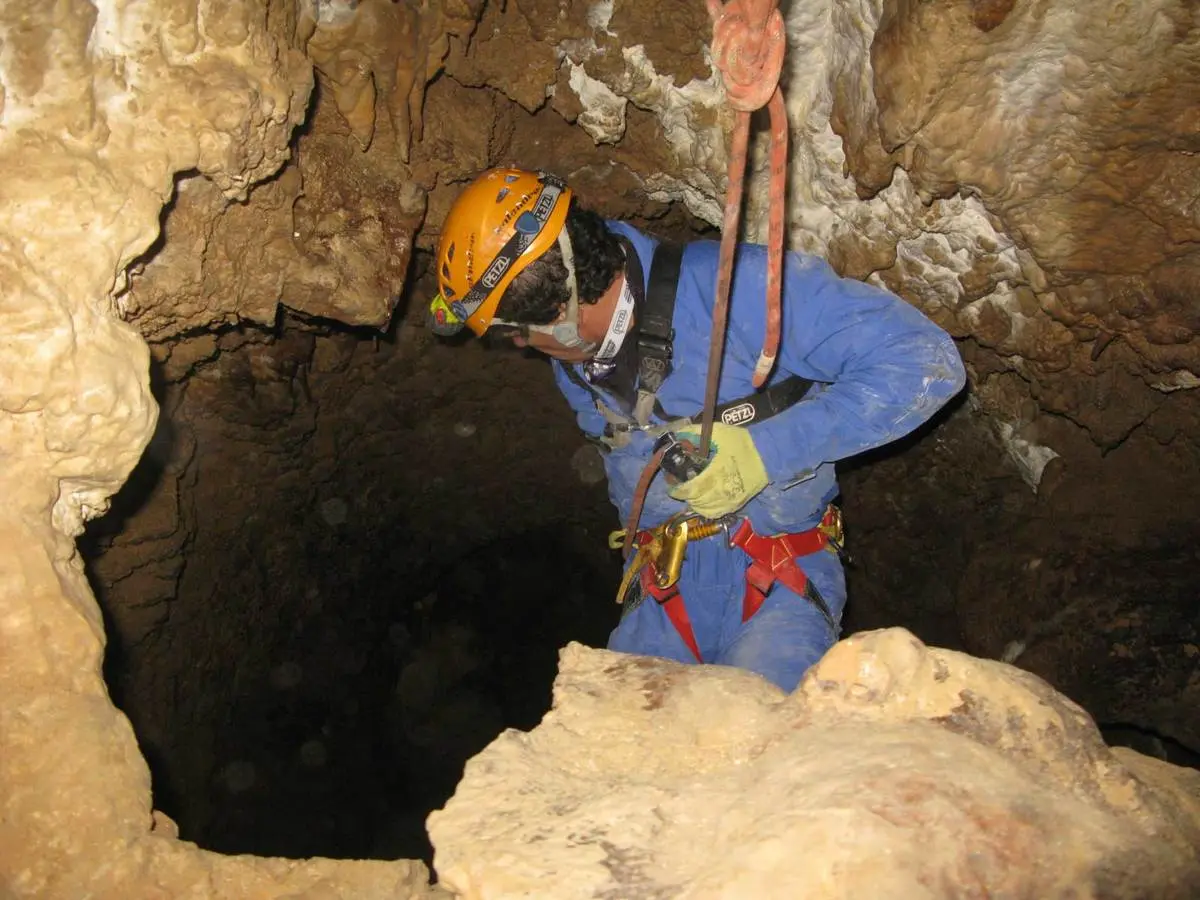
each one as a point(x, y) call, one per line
point(735, 472)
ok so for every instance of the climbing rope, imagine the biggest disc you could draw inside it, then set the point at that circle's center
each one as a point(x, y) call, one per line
point(639, 500)
point(748, 45)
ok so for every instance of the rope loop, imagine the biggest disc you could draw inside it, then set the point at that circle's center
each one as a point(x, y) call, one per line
point(748, 46)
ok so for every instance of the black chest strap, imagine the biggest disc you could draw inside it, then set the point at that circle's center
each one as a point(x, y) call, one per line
point(656, 334)
point(755, 407)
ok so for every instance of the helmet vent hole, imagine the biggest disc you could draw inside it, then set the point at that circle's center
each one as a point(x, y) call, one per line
point(504, 192)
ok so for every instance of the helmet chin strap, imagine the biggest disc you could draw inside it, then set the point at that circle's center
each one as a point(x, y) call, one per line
point(566, 332)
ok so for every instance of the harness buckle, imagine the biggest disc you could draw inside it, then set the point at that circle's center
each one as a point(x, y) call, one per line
point(832, 527)
point(661, 347)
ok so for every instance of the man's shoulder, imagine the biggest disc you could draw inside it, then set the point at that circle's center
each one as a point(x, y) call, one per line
point(624, 229)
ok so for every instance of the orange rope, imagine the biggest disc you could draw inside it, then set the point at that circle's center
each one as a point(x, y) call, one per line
point(748, 47)
point(749, 41)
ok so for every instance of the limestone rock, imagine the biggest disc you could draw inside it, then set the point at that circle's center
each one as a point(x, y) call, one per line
point(1077, 133)
point(332, 235)
point(90, 141)
point(894, 770)
point(377, 56)
point(102, 105)
point(505, 35)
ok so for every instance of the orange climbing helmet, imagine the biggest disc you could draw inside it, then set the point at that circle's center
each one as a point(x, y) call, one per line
point(504, 220)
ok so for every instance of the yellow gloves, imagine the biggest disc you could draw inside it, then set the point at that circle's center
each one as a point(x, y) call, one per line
point(734, 474)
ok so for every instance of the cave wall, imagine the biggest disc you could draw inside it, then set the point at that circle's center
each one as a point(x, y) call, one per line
point(102, 107)
point(1039, 203)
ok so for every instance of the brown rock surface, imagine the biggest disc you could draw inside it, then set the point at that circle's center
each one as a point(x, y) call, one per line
point(331, 236)
point(1077, 129)
point(894, 770)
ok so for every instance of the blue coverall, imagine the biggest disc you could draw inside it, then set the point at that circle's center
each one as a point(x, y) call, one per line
point(882, 369)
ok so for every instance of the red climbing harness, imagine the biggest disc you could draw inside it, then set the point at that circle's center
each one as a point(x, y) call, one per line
point(772, 559)
point(672, 603)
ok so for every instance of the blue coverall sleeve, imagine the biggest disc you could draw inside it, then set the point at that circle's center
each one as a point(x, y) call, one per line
point(887, 366)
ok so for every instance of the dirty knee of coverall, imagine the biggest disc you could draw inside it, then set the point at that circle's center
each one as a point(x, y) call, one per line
point(785, 638)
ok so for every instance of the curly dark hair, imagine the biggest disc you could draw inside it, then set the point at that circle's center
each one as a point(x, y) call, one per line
point(537, 294)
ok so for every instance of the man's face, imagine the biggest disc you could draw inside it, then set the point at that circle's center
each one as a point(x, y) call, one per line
point(590, 329)
point(544, 343)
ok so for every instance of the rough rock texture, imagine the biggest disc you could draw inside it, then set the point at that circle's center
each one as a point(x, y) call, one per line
point(967, 778)
point(1119, 634)
point(1078, 133)
point(332, 235)
point(1040, 201)
point(603, 67)
point(377, 57)
point(1086, 583)
point(100, 108)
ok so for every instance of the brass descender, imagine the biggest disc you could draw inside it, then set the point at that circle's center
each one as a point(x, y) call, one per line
point(674, 547)
point(646, 553)
point(666, 548)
